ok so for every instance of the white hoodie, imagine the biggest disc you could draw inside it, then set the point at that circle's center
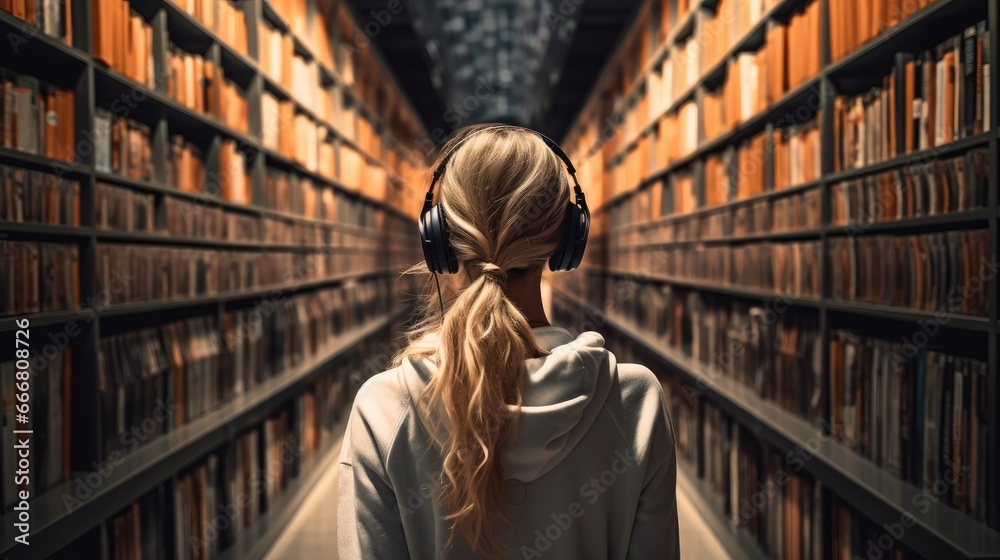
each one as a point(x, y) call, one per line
point(591, 473)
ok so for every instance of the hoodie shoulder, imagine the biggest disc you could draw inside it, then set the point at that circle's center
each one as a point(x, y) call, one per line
point(643, 418)
point(380, 405)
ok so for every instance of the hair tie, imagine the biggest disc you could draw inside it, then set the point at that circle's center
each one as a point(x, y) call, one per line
point(494, 272)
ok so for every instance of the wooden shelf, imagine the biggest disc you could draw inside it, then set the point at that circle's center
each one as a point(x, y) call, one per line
point(940, 532)
point(151, 465)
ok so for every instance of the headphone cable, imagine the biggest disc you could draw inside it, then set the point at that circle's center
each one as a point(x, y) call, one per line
point(440, 299)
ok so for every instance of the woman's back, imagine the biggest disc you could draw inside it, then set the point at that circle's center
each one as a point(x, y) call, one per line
point(499, 435)
point(590, 472)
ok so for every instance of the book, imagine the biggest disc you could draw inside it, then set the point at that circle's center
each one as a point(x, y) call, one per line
point(189, 367)
point(913, 413)
point(39, 277)
point(52, 17)
point(49, 392)
point(122, 146)
point(124, 41)
point(930, 99)
point(855, 22)
point(202, 86)
point(913, 271)
point(36, 118)
point(232, 180)
point(796, 154)
point(955, 184)
point(38, 197)
point(185, 166)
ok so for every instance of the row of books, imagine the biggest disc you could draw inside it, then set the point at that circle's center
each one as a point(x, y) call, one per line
point(795, 212)
point(790, 524)
point(275, 54)
point(122, 146)
point(38, 277)
point(949, 272)
point(233, 180)
point(50, 421)
point(856, 536)
point(719, 183)
point(38, 197)
point(358, 128)
point(796, 155)
point(678, 137)
point(37, 118)
point(200, 85)
point(792, 212)
point(294, 13)
point(185, 165)
point(854, 22)
point(52, 17)
point(219, 499)
point(295, 135)
point(124, 209)
point(758, 490)
point(751, 165)
point(225, 17)
point(294, 73)
point(777, 355)
point(231, 25)
point(732, 20)
point(135, 273)
point(294, 194)
point(954, 184)
point(322, 319)
point(758, 486)
point(923, 418)
point(930, 99)
point(788, 268)
point(362, 175)
point(176, 372)
point(123, 41)
point(754, 80)
point(944, 186)
point(763, 491)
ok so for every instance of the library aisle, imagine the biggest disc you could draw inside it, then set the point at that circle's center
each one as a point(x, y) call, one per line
point(790, 210)
point(312, 533)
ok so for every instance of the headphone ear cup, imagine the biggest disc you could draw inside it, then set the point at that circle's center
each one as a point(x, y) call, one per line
point(582, 219)
point(445, 256)
point(427, 242)
point(570, 251)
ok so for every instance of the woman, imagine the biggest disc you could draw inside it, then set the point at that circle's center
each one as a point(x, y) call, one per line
point(498, 435)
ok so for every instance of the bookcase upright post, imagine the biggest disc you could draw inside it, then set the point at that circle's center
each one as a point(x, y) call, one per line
point(993, 383)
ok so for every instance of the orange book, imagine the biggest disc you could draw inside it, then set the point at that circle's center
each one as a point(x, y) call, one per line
point(910, 77)
point(664, 20)
point(775, 64)
point(950, 77)
point(894, 12)
point(890, 97)
point(103, 35)
point(67, 121)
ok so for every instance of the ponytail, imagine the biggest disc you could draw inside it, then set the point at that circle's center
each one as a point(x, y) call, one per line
point(481, 363)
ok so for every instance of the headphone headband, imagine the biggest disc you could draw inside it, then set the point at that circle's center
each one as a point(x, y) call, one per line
point(433, 224)
point(558, 151)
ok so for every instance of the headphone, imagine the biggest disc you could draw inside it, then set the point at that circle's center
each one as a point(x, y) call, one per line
point(434, 233)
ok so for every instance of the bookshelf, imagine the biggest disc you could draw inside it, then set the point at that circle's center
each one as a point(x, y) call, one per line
point(346, 239)
point(638, 239)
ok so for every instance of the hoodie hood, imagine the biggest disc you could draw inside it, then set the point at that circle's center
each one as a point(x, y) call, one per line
point(564, 392)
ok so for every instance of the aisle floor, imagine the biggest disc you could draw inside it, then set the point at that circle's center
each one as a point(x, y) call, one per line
point(312, 533)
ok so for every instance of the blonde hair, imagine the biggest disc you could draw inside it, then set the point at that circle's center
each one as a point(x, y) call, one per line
point(504, 194)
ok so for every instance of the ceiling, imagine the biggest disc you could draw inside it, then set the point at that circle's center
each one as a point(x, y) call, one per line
point(529, 62)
